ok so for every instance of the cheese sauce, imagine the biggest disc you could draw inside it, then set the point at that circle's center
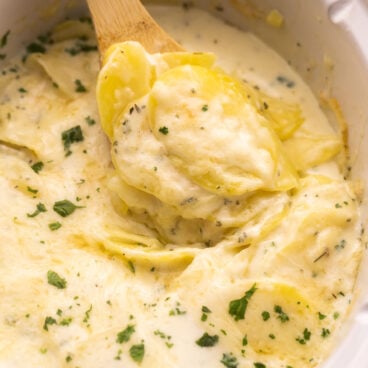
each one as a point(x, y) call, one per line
point(110, 257)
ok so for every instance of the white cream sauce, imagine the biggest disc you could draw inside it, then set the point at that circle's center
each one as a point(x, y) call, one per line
point(104, 293)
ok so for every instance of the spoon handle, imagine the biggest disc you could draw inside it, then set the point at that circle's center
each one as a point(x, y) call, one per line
point(128, 20)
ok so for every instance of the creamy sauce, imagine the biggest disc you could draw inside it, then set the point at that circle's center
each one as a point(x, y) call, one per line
point(121, 297)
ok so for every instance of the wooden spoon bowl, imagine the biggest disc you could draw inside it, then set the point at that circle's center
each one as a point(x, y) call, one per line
point(128, 20)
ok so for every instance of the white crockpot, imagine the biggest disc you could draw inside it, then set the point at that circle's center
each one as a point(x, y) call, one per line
point(327, 43)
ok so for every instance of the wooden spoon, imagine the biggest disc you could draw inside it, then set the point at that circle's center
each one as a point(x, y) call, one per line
point(128, 20)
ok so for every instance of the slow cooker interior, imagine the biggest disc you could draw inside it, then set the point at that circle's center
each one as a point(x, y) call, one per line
point(320, 44)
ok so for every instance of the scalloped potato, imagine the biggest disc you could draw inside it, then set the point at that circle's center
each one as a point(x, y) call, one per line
point(172, 210)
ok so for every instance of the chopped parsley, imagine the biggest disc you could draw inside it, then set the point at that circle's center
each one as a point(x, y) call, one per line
point(48, 321)
point(31, 190)
point(163, 336)
point(325, 332)
point(131, 266)
point(46, 38)
point(164, 130)
point(55, 280)
point(306, 337)
point(90, 121)
point(281, 315)
point(54, 226)
point(205, 108)
point(4, 39)
point(87, 314)
point(245, 340)
point(177, 311)
point(341, 245)
point(64, 208)
point(124, 336)
point(136, 352)
point(238, 307)
point(229, 360)
point(39, 208)
point(259, 365)
point(266, 315)
point(70, 136)
point(35, 47)
point(205, 312)
point(66, 321)
point(22, 90)
point(80, 47)
point(37, 167)
point(285, 81)
point(207, 340)
point(79, 87)
point(321, 316)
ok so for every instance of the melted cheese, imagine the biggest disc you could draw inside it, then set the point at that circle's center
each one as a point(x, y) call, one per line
point(206, 221)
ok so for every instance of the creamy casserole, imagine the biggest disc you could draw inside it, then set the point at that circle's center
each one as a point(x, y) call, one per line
point(206, 221)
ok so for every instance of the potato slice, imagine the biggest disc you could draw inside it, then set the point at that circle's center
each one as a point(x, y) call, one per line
point(214, 135)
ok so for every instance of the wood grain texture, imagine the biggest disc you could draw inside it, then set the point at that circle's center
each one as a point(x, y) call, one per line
point(128, 20)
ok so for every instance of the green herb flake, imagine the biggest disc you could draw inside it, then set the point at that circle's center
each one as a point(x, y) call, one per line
point(205, 311)
point(55, 280)
point(321, 316)
point(325, 332)
point(80, 47)
point(238, 307)
point(336, 315)
point(87, 314)
point(39, 208)
point(90, 121)
point(48, 321)
point(229, 360)
point(207, 340)
point(37, 167)
point(22, 90)
point(64, 208)
point(136, 352)
point(68, 358)
point(266, 315)
point(55, 226)
point(66, 321)
point(31, 190)
point(285, 81)
point(35, 47)
point(281, 315)
point(124, 336)
point(259, 365)
point(4, 39)
point(205, 108)
point(70, 136)
point(177, 311)
point(164, 130)
point(131, 266)
point(79, 87)
point(341, 245)
point(245, 340)
point(306, 337)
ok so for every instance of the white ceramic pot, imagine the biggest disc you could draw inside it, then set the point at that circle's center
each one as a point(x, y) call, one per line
point(327, 43)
